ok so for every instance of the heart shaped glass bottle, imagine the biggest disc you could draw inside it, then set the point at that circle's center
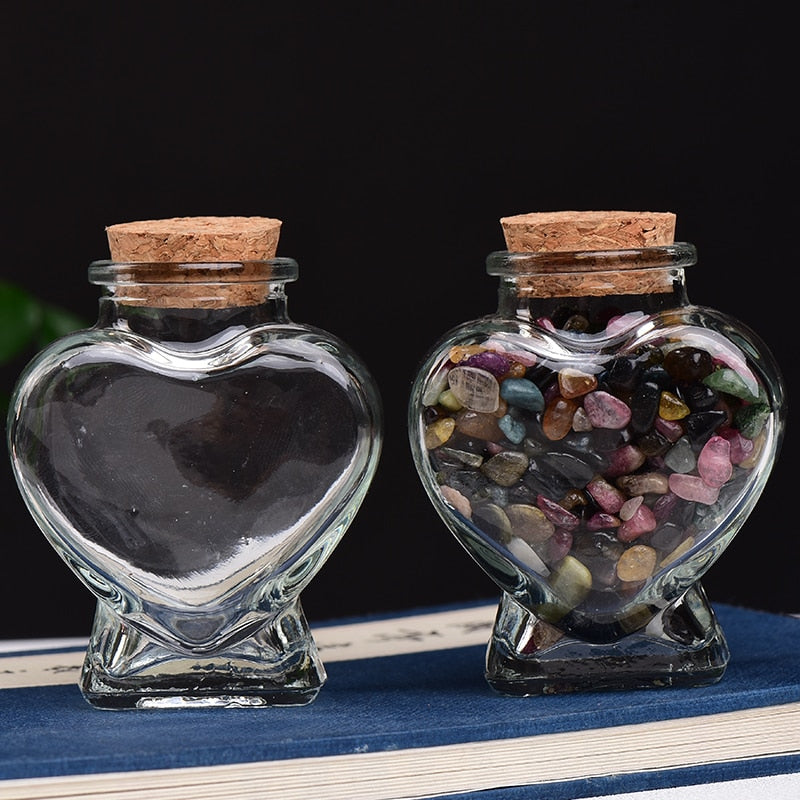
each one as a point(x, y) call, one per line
point(594, 446)
point(194, 458)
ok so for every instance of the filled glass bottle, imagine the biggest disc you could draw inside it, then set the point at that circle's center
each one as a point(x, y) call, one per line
point(194, 458)
point(595, 445)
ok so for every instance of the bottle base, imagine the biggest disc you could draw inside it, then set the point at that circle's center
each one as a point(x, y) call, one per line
point(682, 645)
point(276, 666)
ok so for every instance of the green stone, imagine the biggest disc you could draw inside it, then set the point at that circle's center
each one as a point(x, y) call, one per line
point(506, 468)
point(730, 382)
point(571, 581)
point(751, 419)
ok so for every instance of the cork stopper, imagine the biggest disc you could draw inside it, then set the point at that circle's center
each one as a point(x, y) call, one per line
point(604, 232)
point(154, 261)
point(194, 239)
point(556, 231)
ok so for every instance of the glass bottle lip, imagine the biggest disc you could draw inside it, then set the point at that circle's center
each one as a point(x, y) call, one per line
point(504, 263)
point(109, 273)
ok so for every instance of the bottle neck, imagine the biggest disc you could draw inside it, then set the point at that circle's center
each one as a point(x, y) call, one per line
point(186, 324)
point(191, 302)
point(584, 291)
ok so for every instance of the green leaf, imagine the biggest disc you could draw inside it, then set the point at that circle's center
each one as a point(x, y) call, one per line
point(20, 319)
point(55, 323)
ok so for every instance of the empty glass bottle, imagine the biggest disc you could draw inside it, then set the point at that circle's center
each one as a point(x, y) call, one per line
point(194, 458)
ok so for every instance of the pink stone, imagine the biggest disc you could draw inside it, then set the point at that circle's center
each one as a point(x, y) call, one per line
point(630, 507)
point(741, 447)
point(457, 500)
point(642, 521)
point(624, 460)
point(488, 360)
point(714, 462)
point(546, 323)
point(664, 506)
point(670, 429)
point(602, 522)
point(608, 497)
point(606, 411)
point(559, 545)
point(692, 487)
point(557, 514)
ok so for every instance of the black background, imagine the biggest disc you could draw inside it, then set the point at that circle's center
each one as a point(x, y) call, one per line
point(390, 139)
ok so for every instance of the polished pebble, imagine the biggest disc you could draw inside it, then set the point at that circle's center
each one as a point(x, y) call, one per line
point(642, 521)
point(571, 581)
point(637, 563)
point(714, 462)
point(741, 446)
point(556, 513)
point(625, 460)
point(630, 507)
point(558, 416)
point(605, 494)
point(688, 364)
point(522, 393)
point(752, 418)
point(671, 407)
point(513, 429)
point(437, 433)
point(529, 523)
point(730, 382)
point(580, 421)
point(494, 521)
point(602, 521)
point(606, 411)
point(495, 363)
point(457, 500)
point(574, 383)
point(461, 352)
point(671, 430)
point(681, 456)
point(476, 389)
point(644, 405)
point(644, 483)
point(481, 426)
point(692, 487)
point(449, 401)
point(505, 468)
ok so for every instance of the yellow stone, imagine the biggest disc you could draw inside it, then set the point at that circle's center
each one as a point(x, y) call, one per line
point(438, 432)
point(671, 407)
point(461, 351)
point(449, 400)
point(529, 523)
point(637, 563)
point(682, 548)
point(574, 383)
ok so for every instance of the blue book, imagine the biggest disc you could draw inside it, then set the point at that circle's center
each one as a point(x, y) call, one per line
point(406, 713)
